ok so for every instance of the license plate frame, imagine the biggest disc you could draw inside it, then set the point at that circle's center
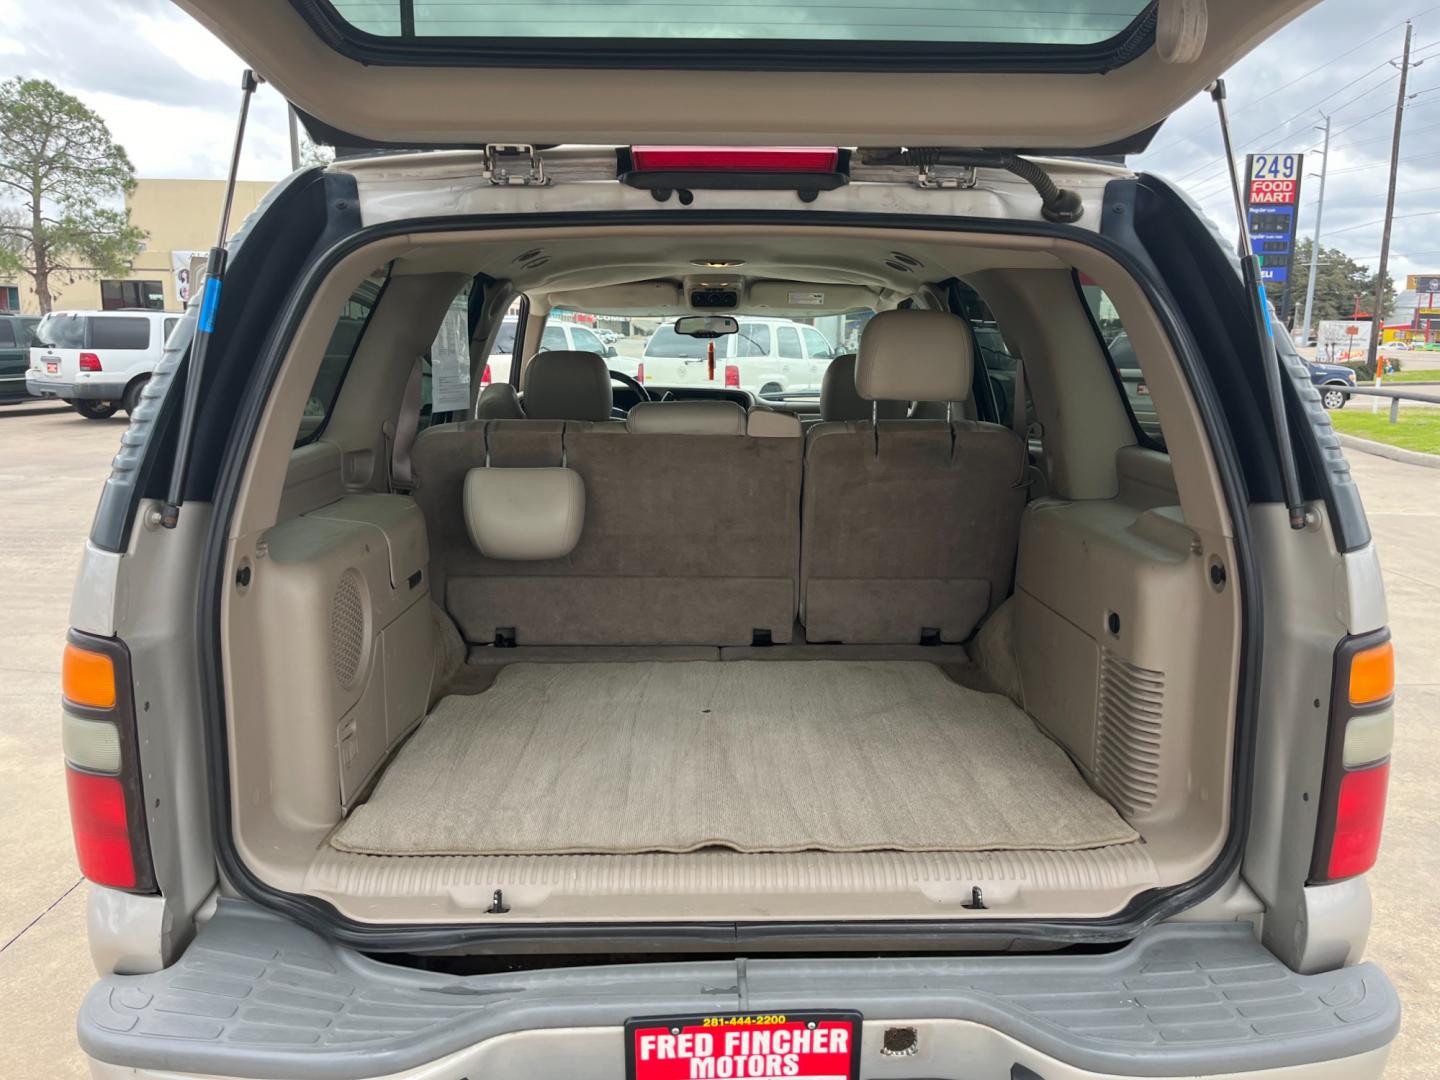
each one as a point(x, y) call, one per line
point(639, 1066)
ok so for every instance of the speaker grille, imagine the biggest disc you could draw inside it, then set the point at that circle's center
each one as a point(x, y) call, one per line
point(1128, 731)
point(347, 628)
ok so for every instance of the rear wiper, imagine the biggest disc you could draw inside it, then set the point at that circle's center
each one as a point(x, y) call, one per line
point(1264, 332)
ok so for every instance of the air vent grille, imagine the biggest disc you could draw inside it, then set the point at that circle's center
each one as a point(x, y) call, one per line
point(1128, 733)
point(347, 628)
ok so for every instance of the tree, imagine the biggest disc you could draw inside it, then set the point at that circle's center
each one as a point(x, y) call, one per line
point(61, 175)
point(1342, 286)
point(312, 153)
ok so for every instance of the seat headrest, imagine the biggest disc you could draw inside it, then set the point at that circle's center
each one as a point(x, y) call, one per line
point(524, 515)
point(686, 418)
point(567, 386)
point(915, 356)
point(839, 400)
point(498, 402)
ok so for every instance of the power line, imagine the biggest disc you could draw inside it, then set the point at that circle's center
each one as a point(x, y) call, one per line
point(1381, 221)
point(1382, 164)
point(1309, 109)
point(1314, 71)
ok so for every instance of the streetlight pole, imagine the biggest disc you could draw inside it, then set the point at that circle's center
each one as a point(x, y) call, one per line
point(1315, 242)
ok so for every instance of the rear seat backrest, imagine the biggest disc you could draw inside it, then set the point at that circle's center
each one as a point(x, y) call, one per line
point(690, 536)
point(910, 526)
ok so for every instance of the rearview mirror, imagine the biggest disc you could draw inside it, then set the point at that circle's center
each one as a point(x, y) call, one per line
point(706, 326)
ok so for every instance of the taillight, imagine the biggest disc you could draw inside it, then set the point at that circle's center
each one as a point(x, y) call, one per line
point(744, 159)
point(1357, 759)
point(102, 770)
point(732, 375)
point(485, 376)
point(640, 372)
point(89, 362)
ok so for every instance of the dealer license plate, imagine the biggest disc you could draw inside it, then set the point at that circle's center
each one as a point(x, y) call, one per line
point(744, 1046)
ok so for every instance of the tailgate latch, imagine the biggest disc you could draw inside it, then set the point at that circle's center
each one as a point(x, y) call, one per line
point(946, 176)
point(514, 164)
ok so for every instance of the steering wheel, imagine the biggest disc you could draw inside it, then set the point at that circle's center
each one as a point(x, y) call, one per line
point(634, 384)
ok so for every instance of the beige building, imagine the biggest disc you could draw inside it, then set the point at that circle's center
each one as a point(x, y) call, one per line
point(179, 218)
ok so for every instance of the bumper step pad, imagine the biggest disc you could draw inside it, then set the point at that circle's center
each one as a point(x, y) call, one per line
point(258, 996)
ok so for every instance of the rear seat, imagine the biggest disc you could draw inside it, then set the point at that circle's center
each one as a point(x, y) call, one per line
point(691, 531)
point(910, 526)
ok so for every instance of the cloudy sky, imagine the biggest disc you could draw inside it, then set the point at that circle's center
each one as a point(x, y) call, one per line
point(168, 91)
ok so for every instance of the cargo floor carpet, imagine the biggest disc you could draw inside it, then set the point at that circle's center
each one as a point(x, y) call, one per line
point(616, 758)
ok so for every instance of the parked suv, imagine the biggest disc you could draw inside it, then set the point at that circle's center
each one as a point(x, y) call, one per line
point(97, 361)
point(1024, 739)
point(768, 357)
point(16, 332)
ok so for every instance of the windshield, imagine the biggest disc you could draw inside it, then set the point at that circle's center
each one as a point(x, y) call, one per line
point(61, 330)
point(770, 356)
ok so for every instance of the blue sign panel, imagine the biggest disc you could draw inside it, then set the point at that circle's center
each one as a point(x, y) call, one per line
point(1272, 206)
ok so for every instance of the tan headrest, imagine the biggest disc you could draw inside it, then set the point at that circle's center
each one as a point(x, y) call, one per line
point(839, 400)
point(915, 356)
point(763, 423)
point(686, 418)
point(498, 402)
point(567, 386)
point(524, 514)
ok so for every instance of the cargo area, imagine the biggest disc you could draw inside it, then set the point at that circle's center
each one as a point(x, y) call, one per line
point(599, 649)
point(750, 756)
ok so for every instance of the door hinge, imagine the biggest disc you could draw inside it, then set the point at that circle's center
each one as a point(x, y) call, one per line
point(517, 164)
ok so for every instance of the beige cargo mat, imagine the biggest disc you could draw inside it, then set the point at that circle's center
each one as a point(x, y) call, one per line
point(619, 758)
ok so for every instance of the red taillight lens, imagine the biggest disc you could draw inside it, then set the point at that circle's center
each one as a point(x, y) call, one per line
point(640, 372)
point(762, 159)
point(485, 376)
point(89, 362)
point(732, 375)
point(1359, 819)
point(102, 766)
point(1357, 759)
point(102, 831)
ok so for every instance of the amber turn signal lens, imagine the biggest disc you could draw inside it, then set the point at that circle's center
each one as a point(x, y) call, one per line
point(88, 678)
point(1372, 674)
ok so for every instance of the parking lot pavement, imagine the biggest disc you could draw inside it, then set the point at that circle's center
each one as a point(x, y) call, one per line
point(52, 464)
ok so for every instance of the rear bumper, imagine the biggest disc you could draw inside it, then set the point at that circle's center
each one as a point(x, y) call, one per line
point(77, 390)
point(257, 996)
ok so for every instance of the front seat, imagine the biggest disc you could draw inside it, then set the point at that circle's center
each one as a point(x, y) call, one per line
point(565, 385)
point(839, 400)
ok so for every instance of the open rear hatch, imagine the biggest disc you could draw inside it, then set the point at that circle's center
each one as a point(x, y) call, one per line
point(1062, 75)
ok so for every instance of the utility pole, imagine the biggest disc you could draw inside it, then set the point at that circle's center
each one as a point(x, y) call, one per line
point(295, 138)
point(1377, 323)
point(1315, 243)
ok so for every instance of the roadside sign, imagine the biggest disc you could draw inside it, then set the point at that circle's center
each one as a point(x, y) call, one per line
point(1423, 283)
point(1272, 205)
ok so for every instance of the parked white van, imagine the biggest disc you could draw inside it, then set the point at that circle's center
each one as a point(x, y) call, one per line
point(97, 361)
point(767, 357)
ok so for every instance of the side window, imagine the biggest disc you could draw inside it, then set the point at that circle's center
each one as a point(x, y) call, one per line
point(120, 333)
point(586, 341)
point(787, 340)
point(816, 347)
point(169, 325)
point(344, 339)
point(7, 334)
point(1123, 361)
point(553, 339)
point(992, 353)
point(445, 370)
point(752, 340)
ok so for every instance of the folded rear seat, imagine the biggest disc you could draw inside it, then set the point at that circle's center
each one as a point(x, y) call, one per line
point(910, 526)
point(691, 531)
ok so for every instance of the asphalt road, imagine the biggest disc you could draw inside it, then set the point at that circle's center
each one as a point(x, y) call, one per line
point(52, 464)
